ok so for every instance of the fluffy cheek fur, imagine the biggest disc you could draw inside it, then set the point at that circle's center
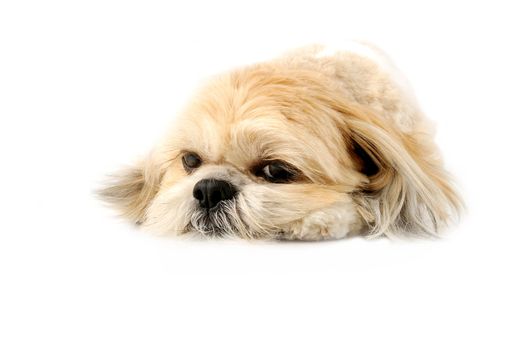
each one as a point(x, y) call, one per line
point(258, 211)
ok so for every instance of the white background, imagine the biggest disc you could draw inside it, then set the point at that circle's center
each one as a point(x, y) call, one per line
point(86, 86)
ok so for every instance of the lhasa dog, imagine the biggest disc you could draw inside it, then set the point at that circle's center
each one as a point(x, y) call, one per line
point(321, 143)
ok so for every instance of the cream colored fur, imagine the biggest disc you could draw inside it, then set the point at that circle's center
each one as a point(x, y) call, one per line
point(330, 113)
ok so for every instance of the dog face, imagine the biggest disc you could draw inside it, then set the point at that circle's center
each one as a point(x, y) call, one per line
point(275, 152)
point(242, 162)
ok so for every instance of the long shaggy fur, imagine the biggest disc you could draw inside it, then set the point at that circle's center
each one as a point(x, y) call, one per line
point(347, 123)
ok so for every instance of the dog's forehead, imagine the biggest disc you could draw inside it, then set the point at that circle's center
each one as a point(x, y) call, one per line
point(264, 137)
point(241, 140)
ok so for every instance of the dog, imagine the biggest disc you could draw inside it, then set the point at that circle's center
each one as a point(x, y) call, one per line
point(319, 143)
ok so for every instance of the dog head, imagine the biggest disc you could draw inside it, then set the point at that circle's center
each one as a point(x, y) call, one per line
point(276, 152)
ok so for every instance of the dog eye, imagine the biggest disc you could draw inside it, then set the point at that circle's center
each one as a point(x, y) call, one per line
point(277, 171)
point(191, 161)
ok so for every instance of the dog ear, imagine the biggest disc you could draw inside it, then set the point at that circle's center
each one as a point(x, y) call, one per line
point(363, 160)
point(408, 189)
point(131, 190)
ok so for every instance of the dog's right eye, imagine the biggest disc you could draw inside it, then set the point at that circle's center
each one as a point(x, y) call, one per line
point(191, 161)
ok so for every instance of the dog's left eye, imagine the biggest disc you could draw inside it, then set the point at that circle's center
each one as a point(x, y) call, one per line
point(277, 171)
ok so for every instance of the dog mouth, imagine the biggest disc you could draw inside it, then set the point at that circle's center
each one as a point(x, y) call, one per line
point(221, 221)
point(228, 220)
point(207, 226)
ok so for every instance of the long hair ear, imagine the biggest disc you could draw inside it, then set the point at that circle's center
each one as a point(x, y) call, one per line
point(408, 190)
point(131, 190)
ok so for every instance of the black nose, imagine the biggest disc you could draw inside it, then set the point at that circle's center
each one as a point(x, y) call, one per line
point(209, 192)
